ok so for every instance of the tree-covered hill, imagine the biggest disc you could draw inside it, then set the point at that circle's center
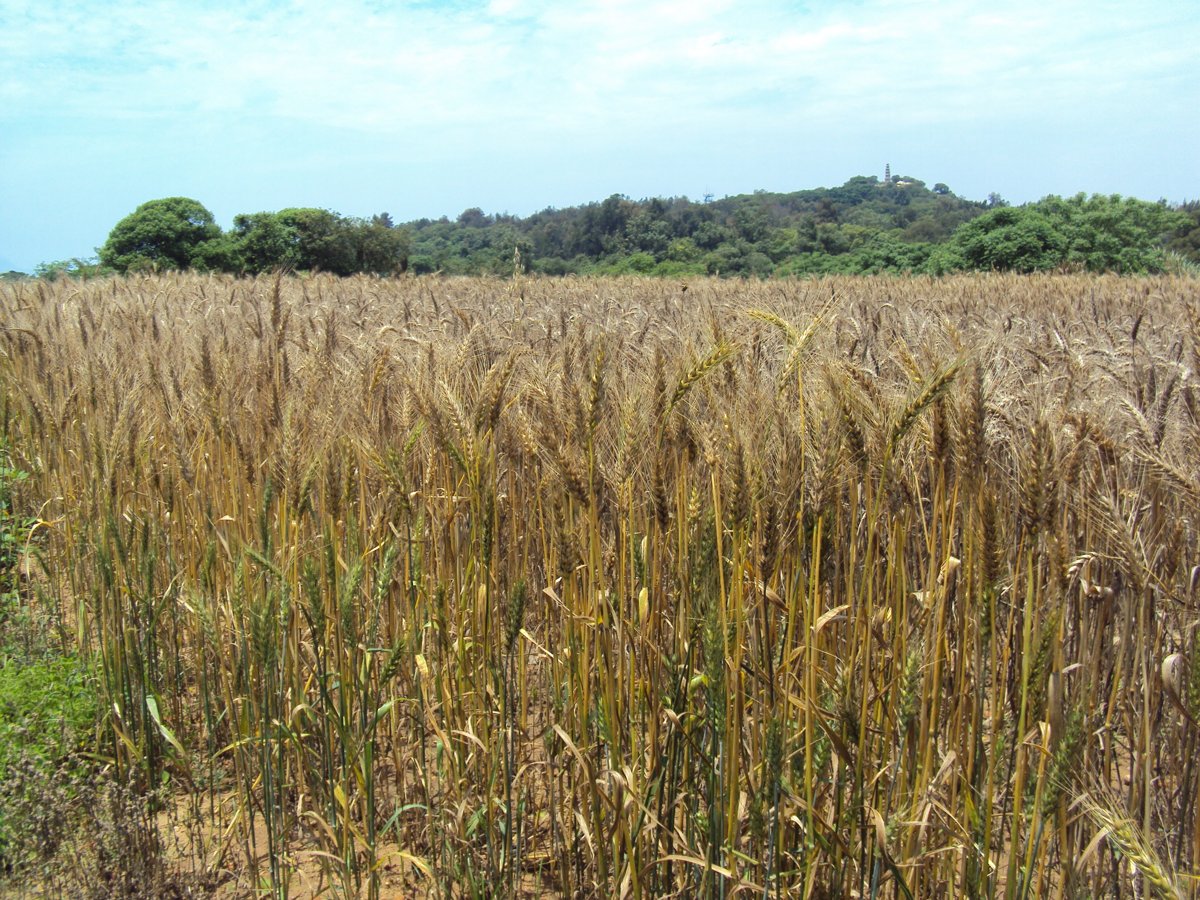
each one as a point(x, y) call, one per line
point(865, 226)
point(763, 233)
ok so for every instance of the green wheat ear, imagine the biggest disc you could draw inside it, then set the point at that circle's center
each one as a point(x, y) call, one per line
point(908, 415)
point(702, 367)
point(1128, 840)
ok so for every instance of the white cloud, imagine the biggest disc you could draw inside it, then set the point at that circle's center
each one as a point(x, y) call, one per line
point(637, 62)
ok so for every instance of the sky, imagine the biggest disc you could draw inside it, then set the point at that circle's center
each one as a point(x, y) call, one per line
point(423, 108)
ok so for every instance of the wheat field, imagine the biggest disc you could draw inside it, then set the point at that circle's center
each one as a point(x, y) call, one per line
point(603, 587)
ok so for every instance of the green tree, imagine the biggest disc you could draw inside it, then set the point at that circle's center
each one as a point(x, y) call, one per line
point(324, 240)
point(219, 254)
point(381, 249)
point(69, 268)
point(265, 242)
point(1186, 239)
point(1019, 239)
point(710, 235)
point(752, 222)
point(1113, 233)
point(636, 263)
point(683, 250)
point(160, 234)
point(885, 253)
point(647, 233)
point(473, 218)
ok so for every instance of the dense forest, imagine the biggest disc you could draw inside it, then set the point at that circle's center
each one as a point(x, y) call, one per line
point(866, 226)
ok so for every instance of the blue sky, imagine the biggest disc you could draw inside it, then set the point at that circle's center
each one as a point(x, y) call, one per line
point(427, 108)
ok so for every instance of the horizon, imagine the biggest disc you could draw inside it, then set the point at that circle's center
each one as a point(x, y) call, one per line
point(426, 109)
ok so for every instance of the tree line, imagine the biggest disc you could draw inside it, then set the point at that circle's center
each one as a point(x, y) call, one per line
point(865, 226)
point(179, 233)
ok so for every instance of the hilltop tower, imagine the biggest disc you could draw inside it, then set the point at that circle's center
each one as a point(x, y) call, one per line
point(887, 173)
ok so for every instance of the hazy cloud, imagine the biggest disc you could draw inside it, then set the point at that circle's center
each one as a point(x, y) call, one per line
point(373, 68)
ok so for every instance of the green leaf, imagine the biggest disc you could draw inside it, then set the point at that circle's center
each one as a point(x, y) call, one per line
point(152, 705)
